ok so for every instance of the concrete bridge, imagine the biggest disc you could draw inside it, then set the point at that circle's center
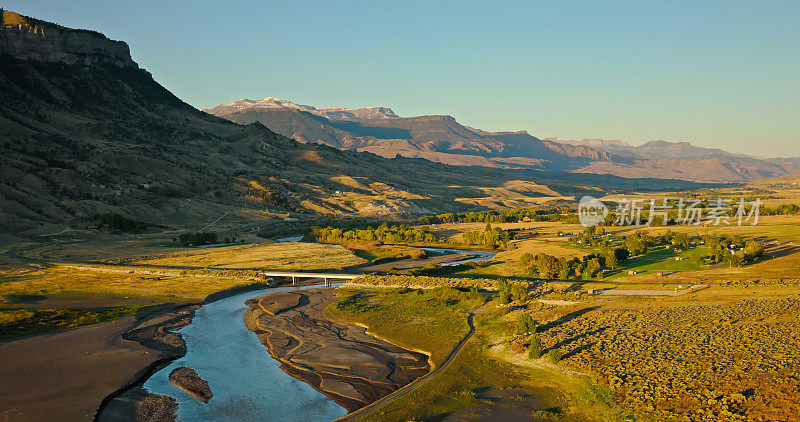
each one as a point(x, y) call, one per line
point(301, 274)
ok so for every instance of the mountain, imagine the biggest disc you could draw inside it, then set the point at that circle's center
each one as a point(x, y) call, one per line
point(697, 161)
point(84, 130)
point(440, 138)
point(436, 138)
point(270, 103)
point(594, 143)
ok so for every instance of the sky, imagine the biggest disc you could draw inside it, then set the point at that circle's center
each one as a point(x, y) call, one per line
point(723, 74)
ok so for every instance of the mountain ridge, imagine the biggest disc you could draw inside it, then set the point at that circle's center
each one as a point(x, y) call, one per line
point(440, 138)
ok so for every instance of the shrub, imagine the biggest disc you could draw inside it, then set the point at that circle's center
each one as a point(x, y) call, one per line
point(197, 238)
point(535, 349)
point(553, 355)
point(551, 414)
point(525, 324)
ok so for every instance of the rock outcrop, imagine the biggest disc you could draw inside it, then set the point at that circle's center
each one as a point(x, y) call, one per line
point(31, 39)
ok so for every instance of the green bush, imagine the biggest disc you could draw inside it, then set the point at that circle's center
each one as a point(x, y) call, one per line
point(525, 324)
point(553, 355)
point(535, 349)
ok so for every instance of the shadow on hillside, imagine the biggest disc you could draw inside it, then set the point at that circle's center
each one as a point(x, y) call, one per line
point(566, 342)
point(566, 318)
point(782, 250)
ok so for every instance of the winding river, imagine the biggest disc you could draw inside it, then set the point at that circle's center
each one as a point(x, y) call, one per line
point(248, 385)
point(478, 256)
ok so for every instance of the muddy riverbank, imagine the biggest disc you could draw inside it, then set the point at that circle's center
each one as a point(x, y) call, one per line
point(341, 361)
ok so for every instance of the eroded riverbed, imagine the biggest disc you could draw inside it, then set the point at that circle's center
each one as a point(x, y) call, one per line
point(247, 384)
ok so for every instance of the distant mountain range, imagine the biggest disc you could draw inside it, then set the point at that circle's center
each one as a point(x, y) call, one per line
point(440, 138)
point(271, 103)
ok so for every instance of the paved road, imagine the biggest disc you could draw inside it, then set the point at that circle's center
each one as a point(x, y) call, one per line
point(413, 385)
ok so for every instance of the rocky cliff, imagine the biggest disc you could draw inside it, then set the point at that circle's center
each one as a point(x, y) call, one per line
point(31, 39)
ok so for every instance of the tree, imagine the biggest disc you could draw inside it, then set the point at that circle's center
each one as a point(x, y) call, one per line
point(611, 260)
point(681, 240)
point(527, 262)
point(592, 267)
point(547, 266)
point(525, 324)
point(734, 259)
point(519, 292)
point(635, 246)
point(503, 291)
point(753, 250)
point(553, 355)
point(535, 349)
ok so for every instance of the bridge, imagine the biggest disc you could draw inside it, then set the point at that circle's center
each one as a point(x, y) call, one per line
point(301, 274)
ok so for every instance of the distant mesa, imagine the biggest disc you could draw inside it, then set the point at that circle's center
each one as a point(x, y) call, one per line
point(26, 38)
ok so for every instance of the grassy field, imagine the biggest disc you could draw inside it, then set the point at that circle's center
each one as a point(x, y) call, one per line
point(661, 259)
point(19, 322)
point(283, 255)
point(434, 320)
point(725, 353)
point(125, 282)
point(377, 254)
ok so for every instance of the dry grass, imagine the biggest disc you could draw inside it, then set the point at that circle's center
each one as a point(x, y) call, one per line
point(726, 353)
point(284, 256)
point(119, 281)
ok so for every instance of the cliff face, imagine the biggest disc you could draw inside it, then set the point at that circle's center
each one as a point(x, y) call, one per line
point(30, 39)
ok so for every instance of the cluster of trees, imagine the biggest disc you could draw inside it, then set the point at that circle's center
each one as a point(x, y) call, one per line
point(489, 237)
point(271, 196)
point(385, 233)
point(490, 216)
point(549, 267)
point(638, 242)
point(508, 292)
point(596, 237)
point(733, 250)
point(591, 236)
point(197, 238)
point(783, 209)
point(525, 324)
point(680, 240)
point(438, 270)
point(118, 222)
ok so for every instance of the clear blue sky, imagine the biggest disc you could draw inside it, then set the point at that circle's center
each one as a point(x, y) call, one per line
point(715, 73)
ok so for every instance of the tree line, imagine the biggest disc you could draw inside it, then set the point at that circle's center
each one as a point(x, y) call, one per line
point(385, 233)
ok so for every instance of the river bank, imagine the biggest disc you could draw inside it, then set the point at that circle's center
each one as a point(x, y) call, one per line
point(156, 329)
point(340, 360)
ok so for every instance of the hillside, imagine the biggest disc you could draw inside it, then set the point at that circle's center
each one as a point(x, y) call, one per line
point(87, 131)
point(442, 139)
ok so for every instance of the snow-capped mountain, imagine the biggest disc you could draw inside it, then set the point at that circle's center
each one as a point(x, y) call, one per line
point(336, 113)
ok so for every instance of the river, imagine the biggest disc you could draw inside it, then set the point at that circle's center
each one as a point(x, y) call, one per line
point(248, 385)
point(479, 255)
